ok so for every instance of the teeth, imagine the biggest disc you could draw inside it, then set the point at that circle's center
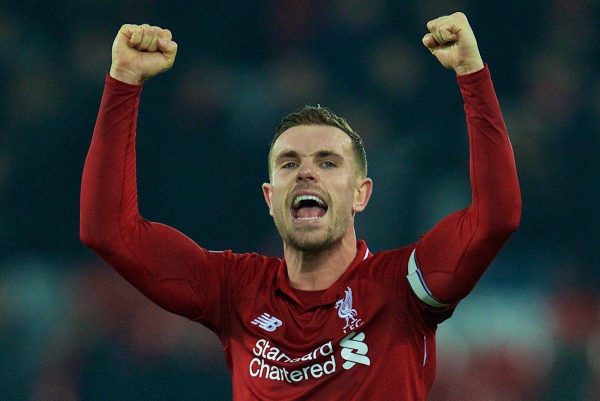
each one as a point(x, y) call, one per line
point(301, 198)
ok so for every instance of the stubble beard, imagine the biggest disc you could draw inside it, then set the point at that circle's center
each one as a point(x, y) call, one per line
point(311, 239)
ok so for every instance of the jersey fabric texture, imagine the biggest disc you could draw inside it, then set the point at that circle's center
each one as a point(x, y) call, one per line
point(371, 335)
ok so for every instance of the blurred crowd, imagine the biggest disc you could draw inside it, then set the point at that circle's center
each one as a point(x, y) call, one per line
point(71, 329)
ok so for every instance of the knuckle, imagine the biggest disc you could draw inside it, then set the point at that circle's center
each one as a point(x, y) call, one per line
point(460, 15)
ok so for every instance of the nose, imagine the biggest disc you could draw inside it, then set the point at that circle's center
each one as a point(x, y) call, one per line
point(306, 173)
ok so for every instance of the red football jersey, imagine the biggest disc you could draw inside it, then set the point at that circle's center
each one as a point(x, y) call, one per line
point(371, 335)
point(365, 337)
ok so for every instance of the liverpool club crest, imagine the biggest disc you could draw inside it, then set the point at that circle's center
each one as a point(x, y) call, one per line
point(347, 312)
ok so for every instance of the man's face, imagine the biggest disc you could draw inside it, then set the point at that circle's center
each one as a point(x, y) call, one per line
point(315, 189)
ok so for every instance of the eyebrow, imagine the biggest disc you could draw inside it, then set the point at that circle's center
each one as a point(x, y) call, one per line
point(292, 154)
point(288, 154)
point(328, 153)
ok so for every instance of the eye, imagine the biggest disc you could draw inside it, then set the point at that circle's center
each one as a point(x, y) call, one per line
point(289, 165)
point(328, 164)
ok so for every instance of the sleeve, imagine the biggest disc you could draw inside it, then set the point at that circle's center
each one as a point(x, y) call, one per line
point(449, 259)
point(165, 265)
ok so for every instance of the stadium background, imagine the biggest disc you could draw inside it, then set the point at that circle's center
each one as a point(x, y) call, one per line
point(70, 329)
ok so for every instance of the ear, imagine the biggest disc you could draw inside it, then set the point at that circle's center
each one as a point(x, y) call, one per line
point(362, 194)
point(267, 193)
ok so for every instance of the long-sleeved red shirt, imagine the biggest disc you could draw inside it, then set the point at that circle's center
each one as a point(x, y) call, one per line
point(371, 335)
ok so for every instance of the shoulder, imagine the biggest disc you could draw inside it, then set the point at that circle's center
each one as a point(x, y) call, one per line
point(386, 270)
point(245, 268)
point(230, 264)
point(252, 260)
point(396, 259)
point(400, 273)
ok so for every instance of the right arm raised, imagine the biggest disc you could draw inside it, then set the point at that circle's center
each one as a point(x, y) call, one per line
point(164, 264)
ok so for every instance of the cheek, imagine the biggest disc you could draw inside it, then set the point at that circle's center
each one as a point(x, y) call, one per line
point(345, 198)
point(277, 200)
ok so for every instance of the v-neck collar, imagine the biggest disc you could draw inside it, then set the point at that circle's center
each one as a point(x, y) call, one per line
point(312, 299)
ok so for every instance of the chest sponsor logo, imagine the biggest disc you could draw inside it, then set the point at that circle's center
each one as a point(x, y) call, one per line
point(347, 312)
point(267, 322)
point(272, 363)
point(354, 350)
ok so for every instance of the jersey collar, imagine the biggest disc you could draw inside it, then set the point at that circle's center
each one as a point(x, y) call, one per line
point(331, 294)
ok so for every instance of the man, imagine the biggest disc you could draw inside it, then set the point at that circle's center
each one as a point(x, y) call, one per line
point(330, 321)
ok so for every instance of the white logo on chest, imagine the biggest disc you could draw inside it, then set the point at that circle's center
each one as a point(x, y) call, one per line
point(267, 322)
point(346, 311)
point(354, 350)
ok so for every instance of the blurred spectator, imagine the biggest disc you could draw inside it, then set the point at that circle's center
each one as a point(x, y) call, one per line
point(577, 325)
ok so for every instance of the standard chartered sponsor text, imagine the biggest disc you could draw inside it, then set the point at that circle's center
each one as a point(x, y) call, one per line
point(264, 352)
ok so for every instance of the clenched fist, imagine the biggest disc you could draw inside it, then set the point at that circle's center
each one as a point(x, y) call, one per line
point(452, 41)
point(140, 52)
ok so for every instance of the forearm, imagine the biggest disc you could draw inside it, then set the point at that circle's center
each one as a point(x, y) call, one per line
point(455, 253)
point(496, 197)
point(108, 189)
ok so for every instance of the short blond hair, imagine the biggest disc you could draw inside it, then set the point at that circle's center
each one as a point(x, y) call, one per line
point(319, 115)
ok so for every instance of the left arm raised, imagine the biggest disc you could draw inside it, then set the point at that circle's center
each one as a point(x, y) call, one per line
point(449, 260)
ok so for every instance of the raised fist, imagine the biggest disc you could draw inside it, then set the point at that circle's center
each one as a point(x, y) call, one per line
point(452, 41)
point(140, 52)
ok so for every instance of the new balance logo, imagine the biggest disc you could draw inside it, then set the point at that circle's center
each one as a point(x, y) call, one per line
point(267, 322)
point(354, 350)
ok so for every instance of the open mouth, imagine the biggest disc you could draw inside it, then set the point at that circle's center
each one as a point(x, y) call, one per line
point(308, 207)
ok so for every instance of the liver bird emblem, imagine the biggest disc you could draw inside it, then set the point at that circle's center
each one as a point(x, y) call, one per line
point(345, 311)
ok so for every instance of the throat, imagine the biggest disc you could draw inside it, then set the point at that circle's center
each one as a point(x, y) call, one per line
point(313, 271)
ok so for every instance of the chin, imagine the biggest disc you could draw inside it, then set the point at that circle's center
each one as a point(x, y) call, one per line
point(310, 237)
point(309, 246)
point(311, 243)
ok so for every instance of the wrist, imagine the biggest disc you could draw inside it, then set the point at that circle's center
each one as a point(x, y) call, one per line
point(125, 75)
point(469, 68)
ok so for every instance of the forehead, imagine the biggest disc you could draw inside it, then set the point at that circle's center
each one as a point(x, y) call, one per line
point(308, 139)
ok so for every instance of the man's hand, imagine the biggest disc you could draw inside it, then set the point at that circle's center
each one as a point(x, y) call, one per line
point(140, 52)
point(452, 42)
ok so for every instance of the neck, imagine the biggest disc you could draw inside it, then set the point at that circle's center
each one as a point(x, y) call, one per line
point(318, 270)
